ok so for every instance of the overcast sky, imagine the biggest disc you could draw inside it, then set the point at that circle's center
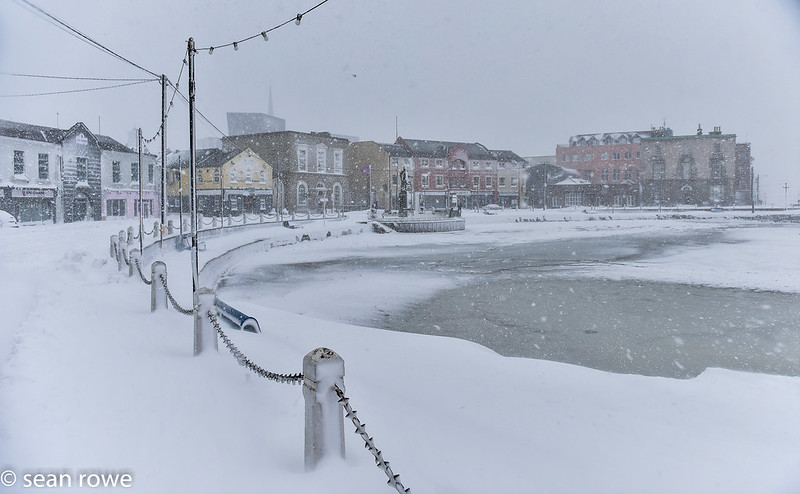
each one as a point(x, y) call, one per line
point(520, 75)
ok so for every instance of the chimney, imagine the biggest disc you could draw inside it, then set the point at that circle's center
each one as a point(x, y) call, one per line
point(699, 130)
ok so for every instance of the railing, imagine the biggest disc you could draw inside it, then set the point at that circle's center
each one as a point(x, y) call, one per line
point(322, 379)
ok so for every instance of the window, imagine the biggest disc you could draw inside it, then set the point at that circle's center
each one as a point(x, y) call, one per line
point(302, 194)
point(501, 166)
point(488, 182)
point(134, 172)
point(501, 181)
point(658, 150)
point(615, 156)
point(604, 156)
point(604, 175)
point(463, 182)
point(302, 159)
point(476, 165)
point(453, 182)
point(716, 170)
point(424, 163)
point(320, 160)
point(150, 173)
point(233, 177)
point(262, 203)
point(116, 172)
point(80, 169)
point(615, 174)
point(439, 181)
point(687, 171)
point(216, 176)
point(234, 200)
point(587, 157)
point(200, 176)
point(394, 180)
point(572, 199)
point(395, 162)
point(658, 171)
point(19, 162)
point(439, 163)
point(717, 147)
point(44, 166)
point(488, 165)
point(514, 182)
point(248, 177)
point(425, 180)
point(638, 154)
point(627, 174)
point(565, 158)
point(476, 182)
point(575, 157)
point(628, 155)
point(337, 161)
point(337, 196)
point(115, 207)
point(262, 177)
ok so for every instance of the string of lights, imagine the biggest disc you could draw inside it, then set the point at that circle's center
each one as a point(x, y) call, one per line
point(263, 34)
point(67, 91)
point(74, 78)
point(78, 34)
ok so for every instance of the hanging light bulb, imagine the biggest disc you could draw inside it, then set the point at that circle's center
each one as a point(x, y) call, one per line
point(298, 19)
point(210, 50)
point(264, 34)
point(235, 45)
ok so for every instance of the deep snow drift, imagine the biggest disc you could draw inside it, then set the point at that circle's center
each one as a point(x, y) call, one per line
point(91, 381)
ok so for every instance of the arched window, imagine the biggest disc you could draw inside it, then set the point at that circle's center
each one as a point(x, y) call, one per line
point(337, 196)
point(302, 194)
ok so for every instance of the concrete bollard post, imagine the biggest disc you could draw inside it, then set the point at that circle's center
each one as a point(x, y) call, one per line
point(244, 218)
point(230, 220)
point(113, 248)
point(324, 419)
point(121, 254)
point(186, 224)
point(134, 255)
point(200, 221)
point(170, 227)
point(130, 235)
point(158, 294)
point(205, 335)
point(156, 230)
point(214, 222)
point(261, 217)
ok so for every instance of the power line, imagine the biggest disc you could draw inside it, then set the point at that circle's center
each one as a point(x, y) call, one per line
point(83, 37)
point(263, 34)
point(74, 78)
point(74, 90)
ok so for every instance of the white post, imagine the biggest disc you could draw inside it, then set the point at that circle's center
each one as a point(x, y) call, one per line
point(123, 245)
point(156, 230)
point(158, 294)
point(324, 428)
point(113, 248)
point(130, 235)
point(205, 336)
point(170, 227)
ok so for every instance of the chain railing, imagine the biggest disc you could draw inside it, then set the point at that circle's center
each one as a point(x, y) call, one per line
point(139, 269)
point(172, 299)
point(380, 462)
point(246, 362)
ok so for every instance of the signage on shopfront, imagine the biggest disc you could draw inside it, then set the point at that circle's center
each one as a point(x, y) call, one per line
point(41, 193)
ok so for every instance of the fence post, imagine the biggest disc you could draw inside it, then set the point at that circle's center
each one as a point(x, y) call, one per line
point(214, 222)
point(324, 430)
point(156, 229)
point(130, 235)
point(158, 294)
point(170, 227)
point(205, 336)
point(113, 248)
point(132, 257)
point(121, 250)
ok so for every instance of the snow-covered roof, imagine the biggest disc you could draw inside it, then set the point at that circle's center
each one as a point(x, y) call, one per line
point(573, 181)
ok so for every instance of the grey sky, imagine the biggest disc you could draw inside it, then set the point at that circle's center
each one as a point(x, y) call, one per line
point(517, 75)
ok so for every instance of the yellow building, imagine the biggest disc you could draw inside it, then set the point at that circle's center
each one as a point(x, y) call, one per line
point(229, 183)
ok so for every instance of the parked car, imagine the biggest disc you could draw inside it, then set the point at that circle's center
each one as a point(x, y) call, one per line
point(491, 208)
point(7, 220)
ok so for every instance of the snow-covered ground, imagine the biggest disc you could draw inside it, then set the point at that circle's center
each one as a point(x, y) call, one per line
point(92, 381)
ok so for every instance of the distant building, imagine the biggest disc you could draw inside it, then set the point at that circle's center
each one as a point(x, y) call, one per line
point(309, 167)
point(229, 183)
point(374, 171)
point(511, 178)
point(702, 169)
point(50, 174)
point(253, 123)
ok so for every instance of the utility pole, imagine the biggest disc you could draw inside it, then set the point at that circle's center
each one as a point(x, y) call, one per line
point(163, 157)
point(141, 209)
point(192, 168)
point(786, 195)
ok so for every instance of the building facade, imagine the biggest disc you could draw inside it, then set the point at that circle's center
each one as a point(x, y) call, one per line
point(229, 183)
point(700, 169)
point(50, 174)
point(308, 167)
point(450, 173)
point(374, 171)
point(120, 179)
point(511, 178)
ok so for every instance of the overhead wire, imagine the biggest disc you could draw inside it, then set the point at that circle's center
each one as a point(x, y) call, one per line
point(75, 78)
point(67, 91)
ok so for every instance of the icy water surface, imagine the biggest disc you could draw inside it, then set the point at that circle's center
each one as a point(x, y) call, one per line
point(531, 300)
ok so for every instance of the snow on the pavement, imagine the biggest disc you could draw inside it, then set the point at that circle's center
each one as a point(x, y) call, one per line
point(91, 380)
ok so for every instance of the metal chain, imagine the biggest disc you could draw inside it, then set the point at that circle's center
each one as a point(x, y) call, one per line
point(394, 478)
point(139, 269)
point(246, 362)
point(172, 299)
point(127, 260)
